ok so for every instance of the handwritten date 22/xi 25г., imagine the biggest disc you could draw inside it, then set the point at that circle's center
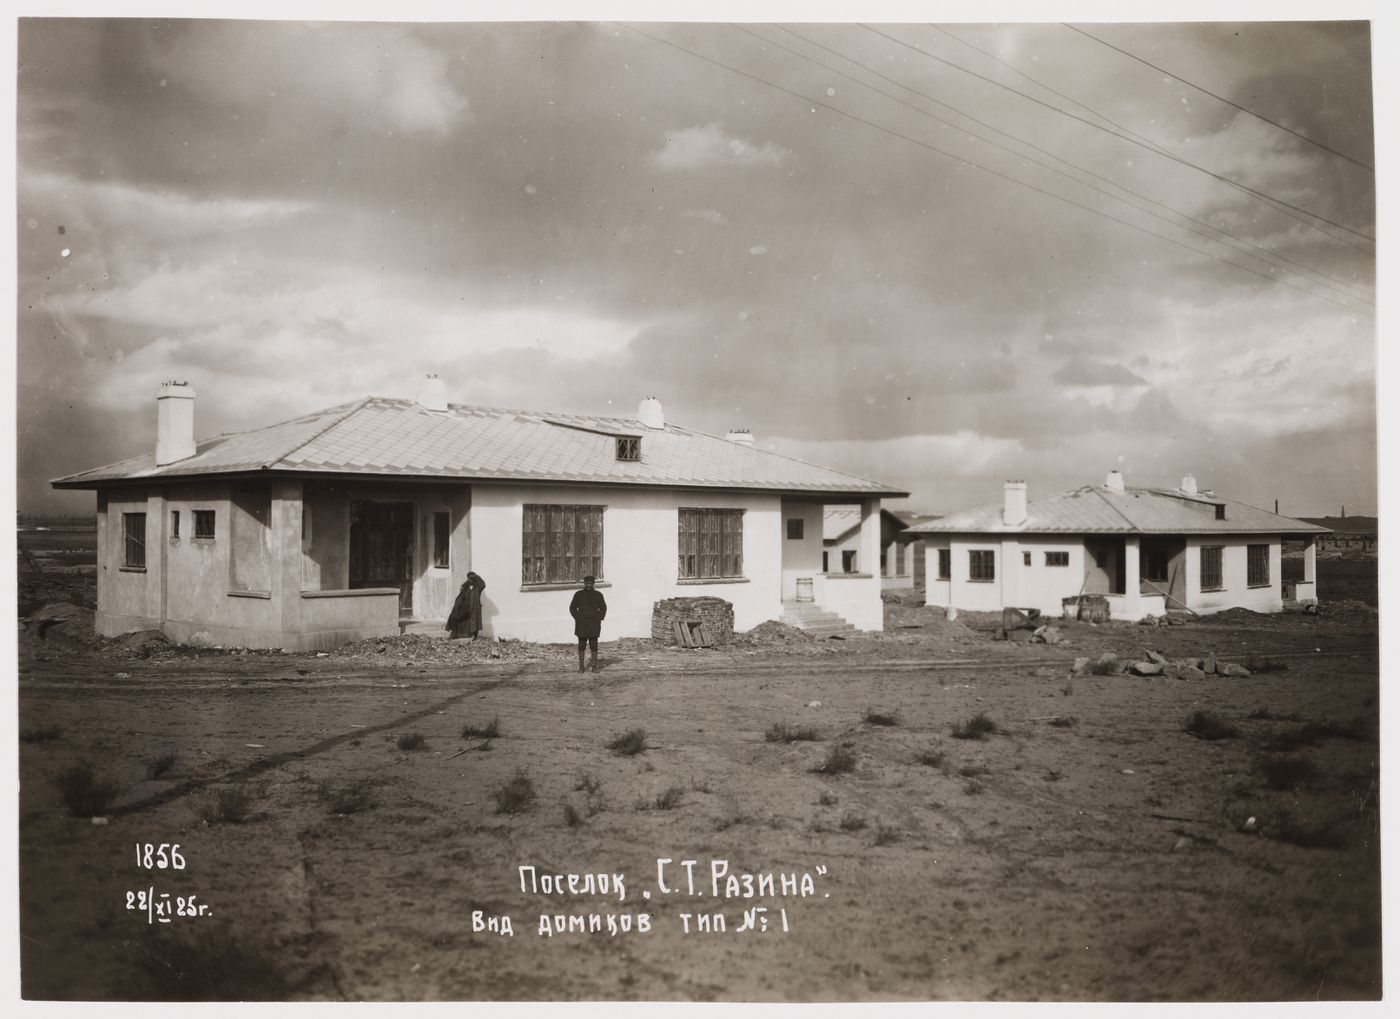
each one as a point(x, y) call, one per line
point(158, 906)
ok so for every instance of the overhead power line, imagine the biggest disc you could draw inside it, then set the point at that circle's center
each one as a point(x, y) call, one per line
point(1215, 235)
point(978, 166)
point(1157, 150)
point(1223, 99)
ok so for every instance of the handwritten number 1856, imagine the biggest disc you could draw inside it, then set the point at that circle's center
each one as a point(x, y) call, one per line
point(165, 856)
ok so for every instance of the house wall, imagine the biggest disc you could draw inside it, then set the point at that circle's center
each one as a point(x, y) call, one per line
point(802, 557)
point(1236, 592)
point(639, 559)
point(855, 597)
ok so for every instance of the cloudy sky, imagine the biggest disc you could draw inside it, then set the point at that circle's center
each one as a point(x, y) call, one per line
point(937, 256)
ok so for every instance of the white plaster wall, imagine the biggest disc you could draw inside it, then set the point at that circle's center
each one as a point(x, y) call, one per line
point(802, 557)
point(936, 592)
point(639, 559)
point(1236, 592)
point(1038, 586)
point(975, 596)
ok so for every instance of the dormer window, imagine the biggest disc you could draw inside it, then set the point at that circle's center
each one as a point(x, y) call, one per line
point(1220, 511)
point(629, 448)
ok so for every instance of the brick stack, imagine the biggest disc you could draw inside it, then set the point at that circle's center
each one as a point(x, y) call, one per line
point(715, 613)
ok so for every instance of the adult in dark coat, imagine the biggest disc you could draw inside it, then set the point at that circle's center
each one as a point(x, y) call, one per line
point(588, 609)
point(465, 619)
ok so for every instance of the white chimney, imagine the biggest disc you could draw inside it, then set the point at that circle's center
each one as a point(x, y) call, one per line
point(432, 394)
point(174, 422)
point(1188, 484)
point(742, 436)
point(1114, 481)
point(649, 413)
point(1013, 510)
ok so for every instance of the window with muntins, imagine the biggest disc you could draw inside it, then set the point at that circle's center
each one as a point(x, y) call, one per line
point(1056, 558)
point(1258, 566)
point(1212, 570)
point(629, 448)
point(134, 540)
point(561, 544)
point(981, 565)
point(204, 524)
point(945, 564)
point(709, 544)
point(794, 528)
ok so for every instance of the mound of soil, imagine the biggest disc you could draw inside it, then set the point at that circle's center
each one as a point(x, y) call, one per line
point(773, 632)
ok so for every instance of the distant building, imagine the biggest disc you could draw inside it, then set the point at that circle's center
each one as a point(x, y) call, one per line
point(901, 554)
point(363, 520)
point(1146, 550)
point(1347, 534)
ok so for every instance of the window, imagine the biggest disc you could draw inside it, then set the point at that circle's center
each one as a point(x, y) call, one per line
point(1056, 558)
point(1220, 511)
point(561, 544)
point(204, 524)
point(981, 565)
point(629, 448)
point(826, 562)
point(709, 543)
point(174, 523)
point(1212, 578)
point(848, 560)
point(884, 561)
point(945, 564)
point(1258, 566)
point(1156, 564)
point(442, 530)
point(134, 541)
point(1025, 558)
point(794, 529)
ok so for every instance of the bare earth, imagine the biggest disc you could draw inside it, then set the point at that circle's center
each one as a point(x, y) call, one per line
point(1090, 848)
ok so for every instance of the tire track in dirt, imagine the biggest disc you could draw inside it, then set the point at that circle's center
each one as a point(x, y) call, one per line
point(263, 764)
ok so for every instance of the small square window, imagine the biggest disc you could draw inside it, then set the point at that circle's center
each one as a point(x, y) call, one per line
point(1026, 558)
point(1220, 511)
point(629, 448)
point(794, 528)
point(204, 524)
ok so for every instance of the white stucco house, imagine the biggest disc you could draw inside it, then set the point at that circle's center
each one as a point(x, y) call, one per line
point(363, 520)
point(1147, 550)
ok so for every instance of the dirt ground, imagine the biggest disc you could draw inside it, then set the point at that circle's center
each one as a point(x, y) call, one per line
point(1089, 848)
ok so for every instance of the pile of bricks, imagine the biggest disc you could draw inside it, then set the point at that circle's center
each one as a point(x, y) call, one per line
point(715, 614)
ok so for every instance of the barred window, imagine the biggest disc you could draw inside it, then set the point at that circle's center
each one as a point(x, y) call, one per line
point(1212, 575)
point(709, 543)
point(629, 448)
point(134, 540)
point(1258, 566)
point(561, 544)
point(945, 564)
point(1056, 558)
point(981, 565)
point(204, 524)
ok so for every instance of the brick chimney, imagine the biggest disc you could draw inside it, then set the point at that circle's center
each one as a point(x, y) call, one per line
point(1188, 484)
point(1013, 508)
point(649, 413)
point(174, 422)
point(742, 436)
point(1114, 481)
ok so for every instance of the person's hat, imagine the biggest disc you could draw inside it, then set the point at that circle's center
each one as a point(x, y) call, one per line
point(589, 579)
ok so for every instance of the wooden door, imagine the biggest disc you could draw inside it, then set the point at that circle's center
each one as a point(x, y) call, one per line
point(381, 548)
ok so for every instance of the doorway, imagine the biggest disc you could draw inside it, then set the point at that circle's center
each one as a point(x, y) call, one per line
point(381, 548)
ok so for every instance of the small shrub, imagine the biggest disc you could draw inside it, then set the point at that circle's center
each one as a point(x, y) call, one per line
point(351, 798)
point(412, 741)
point(1204, 725)
point(571, 816)
point(781, 732)
point(840, 759)
point(587, 782)
point(515, 796)
point(44, 734)
point(1258, 665)
point(932, 758)
point(828, 799)
point(157, 767)
point(979, 726)
point(1288, 772)
point(974, 788)
point(231, 805)
point(886, 836)
point(669, 799)
point(971, 771)
point(629, 744)
point(851, 822)
point(881, 717)
point(490, 730)
point(1308, 834)
point(83, 793)
point(1063, 721)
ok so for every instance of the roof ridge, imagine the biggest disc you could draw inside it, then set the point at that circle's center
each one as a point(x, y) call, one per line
point(785, 456)
point(354, 406)
point(1099, 492)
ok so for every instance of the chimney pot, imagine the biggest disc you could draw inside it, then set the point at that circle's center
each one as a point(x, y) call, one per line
point(1188, 484)
point(1114, 481)
point(649, 413)
point(1013, 510)
point(174, 422)
point(742, 436)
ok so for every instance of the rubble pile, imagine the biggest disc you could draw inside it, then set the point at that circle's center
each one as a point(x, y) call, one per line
point(1155, 664)
point(773, 632)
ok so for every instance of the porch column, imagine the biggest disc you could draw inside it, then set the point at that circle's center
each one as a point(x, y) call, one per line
point(156, 581)
point(1132, 577)
point(286, 578)
point(868, 550)
point(1310, 563)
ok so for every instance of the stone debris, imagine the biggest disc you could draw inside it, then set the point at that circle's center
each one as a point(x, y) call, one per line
point(1145, 668)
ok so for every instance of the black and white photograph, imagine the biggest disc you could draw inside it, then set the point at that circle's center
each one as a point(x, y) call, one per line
point(776, 504)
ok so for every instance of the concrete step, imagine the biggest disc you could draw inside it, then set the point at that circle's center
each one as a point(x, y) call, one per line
point(815, 620)
point(425, 627)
